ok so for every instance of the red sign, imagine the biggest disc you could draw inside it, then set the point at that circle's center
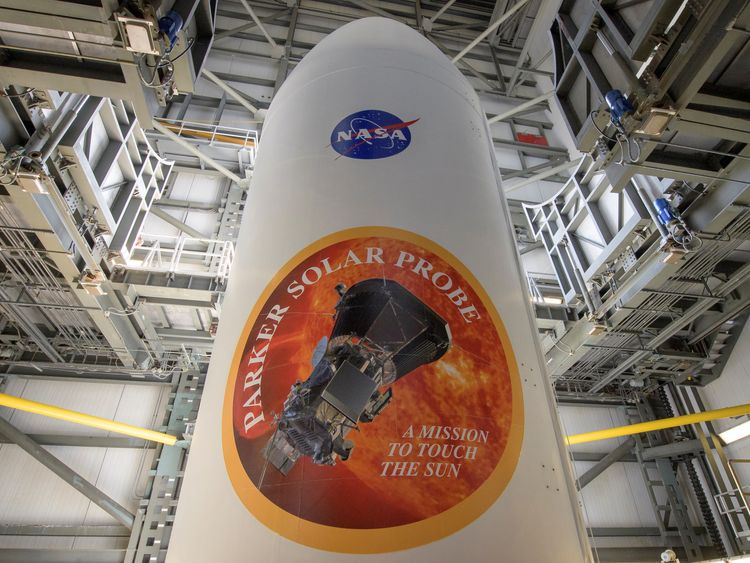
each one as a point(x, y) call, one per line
point(531, 139)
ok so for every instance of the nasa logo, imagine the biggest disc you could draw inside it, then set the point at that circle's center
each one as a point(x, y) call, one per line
point(371, 134)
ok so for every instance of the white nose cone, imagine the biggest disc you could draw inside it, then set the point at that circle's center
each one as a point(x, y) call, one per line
point(376, 390)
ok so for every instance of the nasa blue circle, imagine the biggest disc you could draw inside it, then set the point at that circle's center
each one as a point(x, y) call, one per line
point(371, 134)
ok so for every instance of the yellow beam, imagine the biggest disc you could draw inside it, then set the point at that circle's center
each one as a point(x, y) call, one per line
point(660, 424)
point(86, 419)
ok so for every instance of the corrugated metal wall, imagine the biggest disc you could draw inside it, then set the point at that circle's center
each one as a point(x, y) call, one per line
point(31, 494)
point(618, 497)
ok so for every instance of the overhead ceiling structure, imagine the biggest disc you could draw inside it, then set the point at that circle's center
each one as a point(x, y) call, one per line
point(125, 167)
point(106, 49)
point(658, 299)
point(648, 243)
point(127, 154)
point(248, 64)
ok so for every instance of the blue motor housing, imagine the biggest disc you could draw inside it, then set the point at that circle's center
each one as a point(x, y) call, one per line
point(170, 25)
point(664, 211)
point(619, 106)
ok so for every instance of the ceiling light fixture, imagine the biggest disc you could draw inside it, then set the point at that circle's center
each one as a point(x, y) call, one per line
point(736, 433)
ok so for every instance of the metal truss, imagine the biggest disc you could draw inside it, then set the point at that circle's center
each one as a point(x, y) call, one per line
point(83, 286)
point(655, 314)
point(272, 43)
point(110, 50)
point(678, 469)
point(651, 308)
point(75, 197)
point(155, 516)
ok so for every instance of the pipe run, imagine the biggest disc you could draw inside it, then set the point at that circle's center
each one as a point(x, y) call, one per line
point(75, 417)
point(661, 424)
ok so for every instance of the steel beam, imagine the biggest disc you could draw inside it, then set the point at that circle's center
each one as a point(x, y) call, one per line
point(121, 337)
point(191, 149)
point(531, 149)
point(79, 372)
point(177, 302)
point(19, 555)
point(64, 531)
point(687, 316)
point(543, 175)
point(231, 92)
point(471, 69)
point(497, 23)
point(374, 9)
point(187, 335)
point(221, 34)
point(183, 204)
point(631, 532)
point(440, 12)
point(520, 107)
point(259, 23)
point(75, 480)
point(598, 456)
point(283, 70)
point(612, 457)
point(10, 308)
point(167, 218)
point(87, 441)
point(679, 510)
point(534, 33)
point(509, 173)
point(673, 449)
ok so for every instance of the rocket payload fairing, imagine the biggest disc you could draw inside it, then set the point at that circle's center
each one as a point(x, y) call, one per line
point(376, 386)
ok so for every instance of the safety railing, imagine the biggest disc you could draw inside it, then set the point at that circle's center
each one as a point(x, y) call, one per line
point(543, 288)
point(214, 133)
point(734, 503)
point(187, 255)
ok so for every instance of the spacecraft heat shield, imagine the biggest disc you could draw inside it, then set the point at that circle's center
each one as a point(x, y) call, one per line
point(382, 332)
point(395, 320)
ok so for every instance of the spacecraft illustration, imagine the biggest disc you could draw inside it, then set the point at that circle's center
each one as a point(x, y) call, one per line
point(382, 332)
